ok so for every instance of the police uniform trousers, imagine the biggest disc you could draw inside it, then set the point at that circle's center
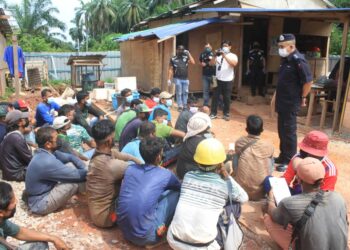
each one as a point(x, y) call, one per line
point(287, 132)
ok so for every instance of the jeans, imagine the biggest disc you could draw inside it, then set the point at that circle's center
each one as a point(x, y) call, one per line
point(206, 80)
point(181, 92)
point(225, 89)
point(164, 214)
point(287, 132)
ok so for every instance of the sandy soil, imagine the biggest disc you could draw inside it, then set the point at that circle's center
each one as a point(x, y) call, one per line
point(74, 226)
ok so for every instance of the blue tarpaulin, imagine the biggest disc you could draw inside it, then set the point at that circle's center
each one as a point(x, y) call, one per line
point(172, 29)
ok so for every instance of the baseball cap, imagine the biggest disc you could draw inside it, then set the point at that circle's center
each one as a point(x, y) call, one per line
point(165, 95)
point(143, 108)
point(14, 116)
point(60, 122)
point(198, 123)
point(315, 143)
point(285, 38)
point(310, 170)
point(21, 105)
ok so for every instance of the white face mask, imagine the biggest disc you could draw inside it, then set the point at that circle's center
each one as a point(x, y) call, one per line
point(169, 102)
point(50, 100)
point(283, 52)
point(165, 122)
point(226, 50)
point(193, 110)
point(88, 102)
point(156, 99)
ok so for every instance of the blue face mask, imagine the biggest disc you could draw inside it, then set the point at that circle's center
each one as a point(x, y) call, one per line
point(169, 102)
point(208, 50)
point(129, 98)
point(50, 100)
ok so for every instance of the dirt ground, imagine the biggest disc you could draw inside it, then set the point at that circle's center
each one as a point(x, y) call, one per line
point(74, 226)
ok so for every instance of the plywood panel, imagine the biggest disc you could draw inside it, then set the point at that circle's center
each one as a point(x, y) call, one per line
point(346, 121)
point(274, 30)
point(308, 27)
point(168, 50)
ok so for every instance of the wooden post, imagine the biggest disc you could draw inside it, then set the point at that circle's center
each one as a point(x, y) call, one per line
point(341, 72)
point(346, 98)
point(15, 65)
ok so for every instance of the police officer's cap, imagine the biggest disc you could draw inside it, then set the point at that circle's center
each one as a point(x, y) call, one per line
point(286, 37)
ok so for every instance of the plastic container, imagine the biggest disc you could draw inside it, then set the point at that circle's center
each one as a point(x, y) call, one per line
point(114, 101)
point(135, 95)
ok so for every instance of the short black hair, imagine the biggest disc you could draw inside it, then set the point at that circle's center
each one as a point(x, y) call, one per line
point(135, 102)
point(6, 195)
point(125, 91)
point(101, 130)
point(146, 129)
point(65, 109)
point(43, 135)
point(150, 148)
point(81, 95)
point(159, 112)
point(192, 100)
point(255, 125)
point(155, 91)
point(226, 42)
point(45, 91)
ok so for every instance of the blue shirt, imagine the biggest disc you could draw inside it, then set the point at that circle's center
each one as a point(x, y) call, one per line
point(160, 106)
point(45, 170)
point(133, 148)
point(140, 191)
point(8, 58)
point(44, 113)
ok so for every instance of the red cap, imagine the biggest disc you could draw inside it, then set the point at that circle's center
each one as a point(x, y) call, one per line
point(315, 143)
point(20, 105)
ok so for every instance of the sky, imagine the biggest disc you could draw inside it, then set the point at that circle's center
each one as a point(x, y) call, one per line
point(66, 9)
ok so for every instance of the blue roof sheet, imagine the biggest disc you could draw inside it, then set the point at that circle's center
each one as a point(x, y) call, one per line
point(255, 10)
point(172, 29)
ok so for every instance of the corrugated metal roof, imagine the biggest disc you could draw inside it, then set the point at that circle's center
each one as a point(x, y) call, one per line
point(251, 10)
point(172, 29)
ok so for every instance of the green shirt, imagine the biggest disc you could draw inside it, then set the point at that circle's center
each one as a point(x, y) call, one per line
point(162, 130)
point(123, 119)
point(76, 136)
point(7, 228)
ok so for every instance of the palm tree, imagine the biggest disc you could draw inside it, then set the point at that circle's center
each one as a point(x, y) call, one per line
point(36, 17)
point(132, 12)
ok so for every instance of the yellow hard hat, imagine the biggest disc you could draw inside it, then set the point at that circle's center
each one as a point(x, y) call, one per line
point(210, 152)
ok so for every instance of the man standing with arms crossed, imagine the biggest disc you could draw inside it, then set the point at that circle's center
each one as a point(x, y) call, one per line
point(294, 84)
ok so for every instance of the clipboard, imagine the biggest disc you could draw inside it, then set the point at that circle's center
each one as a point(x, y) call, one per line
point(280, 188)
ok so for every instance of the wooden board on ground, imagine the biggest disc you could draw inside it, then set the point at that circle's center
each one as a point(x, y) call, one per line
point(106, 108)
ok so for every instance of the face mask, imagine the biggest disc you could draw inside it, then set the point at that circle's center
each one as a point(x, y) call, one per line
point(88, 103)
point(283, 52)
point(165, 122)
point(156, 99)
point(169, 102)
point(208, 50)
point(50, 100)
point(193, 110)
point(129, 99)
point(226, 50)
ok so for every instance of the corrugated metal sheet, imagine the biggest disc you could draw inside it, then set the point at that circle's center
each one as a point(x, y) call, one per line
point(172, 29)
point(251, 10)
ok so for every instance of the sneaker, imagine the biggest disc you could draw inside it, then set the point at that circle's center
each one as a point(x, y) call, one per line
point(226, 118)
point(281, 168)
point(212, 116)
point(161, 230)
point(180, 109)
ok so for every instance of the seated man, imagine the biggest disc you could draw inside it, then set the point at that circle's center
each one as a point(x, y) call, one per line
point(49, 182)
point(131, 129)
point(254, 159)
point(148, 196)
point(198, 129)
point(45, 111)
point(14, 151)
point(165, 102)
point(36, 240)
point(126, 94)
point(163, 130)
point(313, 145)
point(204, 196)
point(77, 135)
point(105, 175)
point(321, 216)
point(82, 110)
point(186, 114)
point(147, 129)
point(154, 100)
point(125, 117)
point(3, 112)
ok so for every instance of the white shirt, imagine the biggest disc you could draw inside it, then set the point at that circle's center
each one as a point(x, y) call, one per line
point(226, 73)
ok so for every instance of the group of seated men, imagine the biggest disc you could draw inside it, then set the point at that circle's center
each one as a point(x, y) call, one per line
point(131, 187)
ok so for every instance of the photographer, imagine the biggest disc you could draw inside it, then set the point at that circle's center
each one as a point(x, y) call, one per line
point(178, 68)
point(225, 61)
point(208, 71)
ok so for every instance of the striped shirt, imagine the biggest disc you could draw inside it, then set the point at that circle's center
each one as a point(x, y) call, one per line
point(330, 177)
point(202, 199)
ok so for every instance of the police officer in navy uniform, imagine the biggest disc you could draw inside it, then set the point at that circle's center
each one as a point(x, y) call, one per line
point(294, 84)
point(178, 69)
point(256, 69)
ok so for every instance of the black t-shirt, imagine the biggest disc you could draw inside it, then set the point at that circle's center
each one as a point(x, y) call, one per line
point(256, 59)
point(206, 57)
point(180, 66)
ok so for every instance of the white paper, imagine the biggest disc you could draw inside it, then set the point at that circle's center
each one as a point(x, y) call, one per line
point(231, 146)
point(280, 188)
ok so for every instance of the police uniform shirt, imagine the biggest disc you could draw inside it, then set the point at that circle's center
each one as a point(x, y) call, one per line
point(256, 57)
point(206, 57)
point(294, 72)
point(180, 66)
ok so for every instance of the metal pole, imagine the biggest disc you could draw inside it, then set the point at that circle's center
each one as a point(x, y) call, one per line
point(15, 65)
point(341, 72)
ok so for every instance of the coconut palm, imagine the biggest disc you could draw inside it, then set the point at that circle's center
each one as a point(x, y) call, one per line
point(132, 12)
point(36, 17)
